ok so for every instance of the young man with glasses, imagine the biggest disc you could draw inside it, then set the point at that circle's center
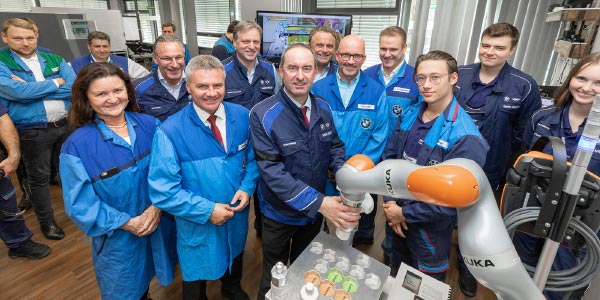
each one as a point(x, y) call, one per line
point(501, 100)
point(359, 109)
point(428, 133)
point(163, 93)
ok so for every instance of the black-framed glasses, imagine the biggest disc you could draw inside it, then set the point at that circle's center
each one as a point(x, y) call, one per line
point(434, 79)
point(356, 57)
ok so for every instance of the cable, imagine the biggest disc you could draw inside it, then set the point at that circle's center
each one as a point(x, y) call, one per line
point(572, 279)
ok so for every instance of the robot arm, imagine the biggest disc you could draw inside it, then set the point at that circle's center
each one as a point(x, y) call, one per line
point(484, 242)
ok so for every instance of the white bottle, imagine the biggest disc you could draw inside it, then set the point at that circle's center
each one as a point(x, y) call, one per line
point(364, 201)
point(278, 281)
point(309, 292)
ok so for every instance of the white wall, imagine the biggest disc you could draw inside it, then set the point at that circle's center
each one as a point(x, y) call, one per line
point(249, 8)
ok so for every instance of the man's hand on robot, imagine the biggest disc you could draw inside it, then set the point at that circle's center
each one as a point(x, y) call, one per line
point(340, 215)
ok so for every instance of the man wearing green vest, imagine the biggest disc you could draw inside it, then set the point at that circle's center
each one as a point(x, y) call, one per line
point(35, 86)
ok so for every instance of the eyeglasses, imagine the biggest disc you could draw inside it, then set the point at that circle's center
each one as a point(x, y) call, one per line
point(434, 79)
point(169, 59)
point(356, 57)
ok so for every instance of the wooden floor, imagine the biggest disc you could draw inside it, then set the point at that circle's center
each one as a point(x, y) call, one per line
point(67, 273)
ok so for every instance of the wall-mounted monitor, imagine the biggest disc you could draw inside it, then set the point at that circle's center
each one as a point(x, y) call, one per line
point(281, 29)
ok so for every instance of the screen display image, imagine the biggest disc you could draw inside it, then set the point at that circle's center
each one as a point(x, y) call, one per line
point(282, 29)
point(412, 282)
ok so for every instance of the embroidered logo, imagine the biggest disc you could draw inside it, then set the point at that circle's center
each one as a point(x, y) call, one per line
point(397, 110)
point(432, 162)
point(365, 123)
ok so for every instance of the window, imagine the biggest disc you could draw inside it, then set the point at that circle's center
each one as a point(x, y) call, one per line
point(148, 15)
point(26, 5)
point(356, 4)
point(368, 27)
point(369, 17)
point(212, 19)
point(16, 5)
point(102, 4)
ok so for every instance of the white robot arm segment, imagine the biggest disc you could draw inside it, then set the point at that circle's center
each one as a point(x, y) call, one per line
point(484, 242)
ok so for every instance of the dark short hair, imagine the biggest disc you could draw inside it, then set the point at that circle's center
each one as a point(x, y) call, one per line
point(502, 29)
point(245, 26)
point(394, 31)
point(439, 55)
point(563, 94)
point(169, 24)
point(81, 111)
point(232, 26)
point(97, 35)
point(325, 29)
point(298, 45)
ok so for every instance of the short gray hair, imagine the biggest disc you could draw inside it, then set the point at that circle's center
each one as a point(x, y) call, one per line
point(203, 62)
point(166, 39)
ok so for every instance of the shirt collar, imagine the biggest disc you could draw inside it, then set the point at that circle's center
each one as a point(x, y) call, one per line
point(32, 59)
point(164, 82)
point(203, 115)
point(308, 103)
point(94, 59)
point(394, 71)
point(341, 81)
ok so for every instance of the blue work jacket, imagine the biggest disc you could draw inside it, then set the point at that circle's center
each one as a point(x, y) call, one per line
point(292, 158)
point(363, 125)
point(155, 100)
point(104, 184)
point(453, 135)
point(237, 88)
point(401, 92)
point(7, 189)
point(548, 121)
point(82, 61)
point(223, 48)
point(189, 173)
point(507, 110)
point(25, 100)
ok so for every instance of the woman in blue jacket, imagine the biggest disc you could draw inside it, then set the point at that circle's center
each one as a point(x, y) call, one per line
point(565, 119)
point(104, 169)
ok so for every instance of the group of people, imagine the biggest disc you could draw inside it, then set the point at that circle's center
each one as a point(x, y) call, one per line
point(150, 160)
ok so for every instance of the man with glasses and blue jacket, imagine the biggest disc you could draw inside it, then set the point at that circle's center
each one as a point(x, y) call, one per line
point(162, 93)
point(360, 112)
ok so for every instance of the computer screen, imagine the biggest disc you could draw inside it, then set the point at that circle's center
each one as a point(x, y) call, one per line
point(281, 29)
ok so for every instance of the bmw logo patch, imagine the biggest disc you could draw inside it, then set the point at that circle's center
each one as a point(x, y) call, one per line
point(397, 110)
point(365, 123)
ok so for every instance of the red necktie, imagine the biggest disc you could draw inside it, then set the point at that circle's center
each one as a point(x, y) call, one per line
point(304, 110)
point(215, 130)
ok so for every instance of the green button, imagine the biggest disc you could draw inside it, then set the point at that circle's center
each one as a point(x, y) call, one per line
point(336, 275)
point(350, 284)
